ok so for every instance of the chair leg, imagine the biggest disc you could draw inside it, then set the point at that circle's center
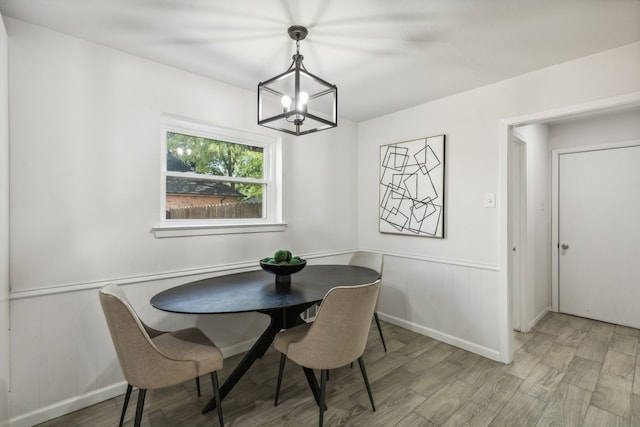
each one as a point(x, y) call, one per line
point(375, 316)
point(283, 359)
point(198, 385)
point(323, 391)
point(141, 394)
point(216, 391)
point(366, 382)
point(126, 403)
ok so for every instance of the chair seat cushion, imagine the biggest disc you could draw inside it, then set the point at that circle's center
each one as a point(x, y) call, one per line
point(191, 344)
point(286, 337)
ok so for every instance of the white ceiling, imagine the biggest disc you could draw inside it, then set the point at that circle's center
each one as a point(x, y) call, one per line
point(384, 55)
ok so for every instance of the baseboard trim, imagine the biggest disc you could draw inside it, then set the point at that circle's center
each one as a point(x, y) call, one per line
point(536, 319)
point(67, 406)
point(75, 403)
point(444, 337)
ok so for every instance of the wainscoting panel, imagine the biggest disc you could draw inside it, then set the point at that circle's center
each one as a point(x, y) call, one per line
point(453, 302)
point(63, 358)
point(24, 395)
point(59, 330)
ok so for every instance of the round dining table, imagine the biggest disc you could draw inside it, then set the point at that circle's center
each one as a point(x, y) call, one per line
point(256, 291)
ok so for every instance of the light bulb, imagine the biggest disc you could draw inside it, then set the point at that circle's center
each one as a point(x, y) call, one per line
point(285, 101)
point(303, 98)
point(180, 151)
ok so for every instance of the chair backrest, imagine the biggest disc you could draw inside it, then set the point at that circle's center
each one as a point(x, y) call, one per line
point(339, 333)
point(372, 260)
point(141, 362)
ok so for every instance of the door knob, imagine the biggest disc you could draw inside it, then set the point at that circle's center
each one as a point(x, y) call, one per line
point(564, 246)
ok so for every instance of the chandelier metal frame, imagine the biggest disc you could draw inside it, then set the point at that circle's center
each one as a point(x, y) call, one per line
point(296, 110)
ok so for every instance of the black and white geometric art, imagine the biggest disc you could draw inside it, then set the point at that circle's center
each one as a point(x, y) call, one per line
point(412, 187)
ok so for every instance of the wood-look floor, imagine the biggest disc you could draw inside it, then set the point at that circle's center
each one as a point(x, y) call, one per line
point(568, 371)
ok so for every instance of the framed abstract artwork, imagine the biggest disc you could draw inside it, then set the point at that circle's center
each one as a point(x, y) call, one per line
point(412, 187)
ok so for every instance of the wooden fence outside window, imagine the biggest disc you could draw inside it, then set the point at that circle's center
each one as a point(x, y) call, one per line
point(225, 211)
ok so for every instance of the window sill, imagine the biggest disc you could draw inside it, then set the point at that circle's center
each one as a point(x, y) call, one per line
point(185, 230)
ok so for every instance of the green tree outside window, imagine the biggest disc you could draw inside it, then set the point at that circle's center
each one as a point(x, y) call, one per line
point(220, 158)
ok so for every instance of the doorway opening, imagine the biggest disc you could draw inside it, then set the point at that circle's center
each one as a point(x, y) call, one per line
point(518, 302)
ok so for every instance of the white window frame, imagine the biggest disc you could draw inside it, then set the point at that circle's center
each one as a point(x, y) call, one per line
point(272, 179)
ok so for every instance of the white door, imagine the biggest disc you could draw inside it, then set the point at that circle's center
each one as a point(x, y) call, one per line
point(599, 234)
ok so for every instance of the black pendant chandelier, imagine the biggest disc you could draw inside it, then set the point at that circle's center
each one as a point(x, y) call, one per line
point(296, 101)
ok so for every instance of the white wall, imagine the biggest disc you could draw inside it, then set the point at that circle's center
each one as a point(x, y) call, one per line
point(4, 227)
point(455, 288)
point(582, 131)
point(85, 130)
point(536, 288)
point(85, 192)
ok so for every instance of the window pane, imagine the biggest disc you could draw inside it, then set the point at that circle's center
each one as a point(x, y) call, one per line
point(192, 198)
point(186, 153)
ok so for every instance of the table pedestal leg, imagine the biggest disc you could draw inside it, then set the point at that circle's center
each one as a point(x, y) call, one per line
point(280, 319)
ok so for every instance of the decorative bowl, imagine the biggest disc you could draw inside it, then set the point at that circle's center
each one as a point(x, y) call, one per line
point(283, 269)
point(283, 273)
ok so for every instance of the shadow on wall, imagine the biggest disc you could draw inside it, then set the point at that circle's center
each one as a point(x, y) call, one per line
point(246, 328)
point(393, 301)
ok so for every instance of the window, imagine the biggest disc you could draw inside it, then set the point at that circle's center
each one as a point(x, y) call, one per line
point(217, 180)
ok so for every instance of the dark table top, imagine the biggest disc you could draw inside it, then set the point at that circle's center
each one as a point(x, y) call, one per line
point(256, 290)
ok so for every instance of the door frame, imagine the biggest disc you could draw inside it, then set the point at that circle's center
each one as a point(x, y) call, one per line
point(555, 211)
point(505, 135)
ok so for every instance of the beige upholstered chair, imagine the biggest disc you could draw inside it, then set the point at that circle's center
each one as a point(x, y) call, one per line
point(152, 359)
point(336, 338)
point(375, 262)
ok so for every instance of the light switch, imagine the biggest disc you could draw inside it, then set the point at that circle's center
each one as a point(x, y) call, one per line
point(489, 200)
